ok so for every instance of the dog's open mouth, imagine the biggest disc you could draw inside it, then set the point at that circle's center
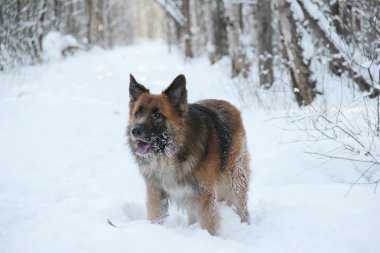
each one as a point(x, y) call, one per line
point(143, 147)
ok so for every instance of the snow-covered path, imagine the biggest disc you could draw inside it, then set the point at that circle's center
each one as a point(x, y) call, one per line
point(65, 168)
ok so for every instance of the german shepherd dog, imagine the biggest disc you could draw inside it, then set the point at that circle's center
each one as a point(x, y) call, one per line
point(192, 155)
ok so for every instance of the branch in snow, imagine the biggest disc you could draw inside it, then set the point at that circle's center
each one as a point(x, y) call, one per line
point(110, 223)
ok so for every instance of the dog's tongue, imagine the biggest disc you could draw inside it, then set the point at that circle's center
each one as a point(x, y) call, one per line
point(143, 147)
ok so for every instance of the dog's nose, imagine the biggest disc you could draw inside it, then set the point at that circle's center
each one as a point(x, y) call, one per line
point(137, 131)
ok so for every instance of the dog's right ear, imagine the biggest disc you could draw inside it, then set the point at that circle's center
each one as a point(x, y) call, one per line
point(135, 89)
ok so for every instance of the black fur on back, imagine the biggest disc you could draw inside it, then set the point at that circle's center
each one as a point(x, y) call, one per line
point(219, 119)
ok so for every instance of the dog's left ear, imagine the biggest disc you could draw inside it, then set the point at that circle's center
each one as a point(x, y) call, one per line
point(135, 89)
point(177, 93)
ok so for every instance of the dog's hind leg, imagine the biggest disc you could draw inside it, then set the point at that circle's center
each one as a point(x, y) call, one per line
point(238, 177)
point(240, 202)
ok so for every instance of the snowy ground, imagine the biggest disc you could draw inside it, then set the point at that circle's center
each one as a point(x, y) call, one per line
point(65, 168)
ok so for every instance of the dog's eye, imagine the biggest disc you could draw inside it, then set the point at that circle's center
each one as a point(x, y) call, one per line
point(139, 111)
point(156, 114)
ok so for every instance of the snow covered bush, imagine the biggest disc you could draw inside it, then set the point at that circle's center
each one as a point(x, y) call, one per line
point(55, 45)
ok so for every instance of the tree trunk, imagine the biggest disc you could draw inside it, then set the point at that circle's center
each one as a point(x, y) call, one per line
point(239, 62)
point(101, 9)
point(264, 43)
point(342, 12)
point(41, 24)
point(89, 21)
point(209, 30)
point(220, 42)
point(303, 86)
point(187, 28)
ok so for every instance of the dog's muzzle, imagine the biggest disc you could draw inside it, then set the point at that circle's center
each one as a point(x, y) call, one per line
point(148, 139)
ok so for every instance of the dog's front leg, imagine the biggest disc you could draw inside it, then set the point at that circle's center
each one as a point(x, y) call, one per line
point(207, 211)
point(157, 203)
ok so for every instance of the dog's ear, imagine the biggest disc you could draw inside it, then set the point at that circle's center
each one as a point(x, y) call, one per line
point(135, 89)
point(177, 93)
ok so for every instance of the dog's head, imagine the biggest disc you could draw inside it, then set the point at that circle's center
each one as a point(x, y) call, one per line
point(154, 118)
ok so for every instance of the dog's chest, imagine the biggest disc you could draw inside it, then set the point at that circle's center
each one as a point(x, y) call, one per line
point(179, 189)
point(179, 193)
point(174, 181)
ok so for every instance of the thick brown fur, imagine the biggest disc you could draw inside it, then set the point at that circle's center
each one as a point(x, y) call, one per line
point(190, 154)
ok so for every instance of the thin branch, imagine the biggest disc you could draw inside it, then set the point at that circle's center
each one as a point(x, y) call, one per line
point(341, 158)
point(357, 180)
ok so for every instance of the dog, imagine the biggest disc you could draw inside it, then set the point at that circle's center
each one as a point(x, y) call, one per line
point(192, 155)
